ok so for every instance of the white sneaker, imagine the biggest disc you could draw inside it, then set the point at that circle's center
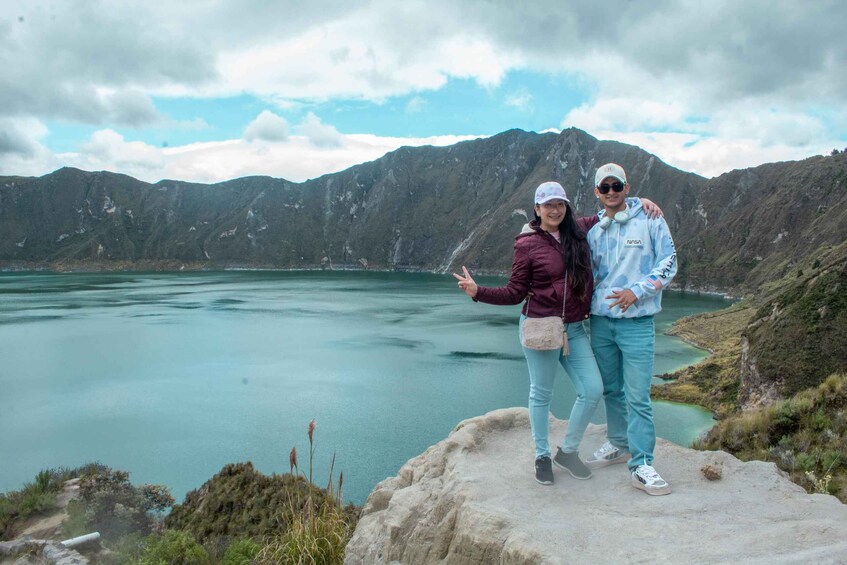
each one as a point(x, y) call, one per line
point(647, 479)
point(607, 454)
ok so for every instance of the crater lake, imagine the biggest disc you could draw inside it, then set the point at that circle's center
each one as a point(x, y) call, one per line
point(172, 376)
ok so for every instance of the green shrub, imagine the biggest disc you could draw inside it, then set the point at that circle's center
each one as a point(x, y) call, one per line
point(6, 513)
point(125, 549)
point(241, 552)
point(108, 502)
point(173, 548)
point(42, 481)
point(784, 421)
point(76, 524)
point(820, 421)
point(806, 461)
point(34, 501)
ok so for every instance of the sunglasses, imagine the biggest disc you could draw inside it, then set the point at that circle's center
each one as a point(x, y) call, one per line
point(605, 187)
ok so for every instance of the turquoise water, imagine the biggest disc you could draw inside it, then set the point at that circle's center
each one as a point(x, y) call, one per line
point(172, 376)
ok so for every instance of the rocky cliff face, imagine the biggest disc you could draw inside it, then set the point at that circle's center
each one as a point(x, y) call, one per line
point(798, 336)
point(472, 498)
point(757, 223)
point(423, 208)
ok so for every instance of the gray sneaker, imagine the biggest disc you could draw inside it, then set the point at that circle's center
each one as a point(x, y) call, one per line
point(647, 479)
point(571, 463)
point(544, 470)
point(607, 455)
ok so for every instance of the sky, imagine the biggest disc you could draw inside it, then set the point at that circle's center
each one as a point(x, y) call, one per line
point(211, 90)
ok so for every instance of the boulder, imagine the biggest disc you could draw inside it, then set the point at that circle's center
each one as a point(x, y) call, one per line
point(472, 498)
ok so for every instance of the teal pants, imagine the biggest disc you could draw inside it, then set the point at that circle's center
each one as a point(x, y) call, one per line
point(623, 348)
point(582, 369)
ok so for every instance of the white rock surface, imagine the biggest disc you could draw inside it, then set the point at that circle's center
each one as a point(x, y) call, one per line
point(472, 498)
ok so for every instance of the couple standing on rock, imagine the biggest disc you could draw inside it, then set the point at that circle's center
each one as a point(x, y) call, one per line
point(613, 265)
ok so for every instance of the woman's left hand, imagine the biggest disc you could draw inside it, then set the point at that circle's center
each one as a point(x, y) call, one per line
point(466, 283)
point(651, 208)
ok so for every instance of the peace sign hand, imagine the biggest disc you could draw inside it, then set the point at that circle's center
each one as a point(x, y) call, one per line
point(466, 283)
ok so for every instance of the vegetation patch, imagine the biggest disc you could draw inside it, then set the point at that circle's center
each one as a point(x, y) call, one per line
point(242, 502)
point(37, 497)
point(806, 436)
point(239, 517)
point(268, 519)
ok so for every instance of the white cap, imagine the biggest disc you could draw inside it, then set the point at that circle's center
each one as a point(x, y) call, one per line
point(550, 190)
point(609, 170)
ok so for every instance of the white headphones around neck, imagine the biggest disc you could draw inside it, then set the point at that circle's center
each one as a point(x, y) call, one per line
point(621, 217)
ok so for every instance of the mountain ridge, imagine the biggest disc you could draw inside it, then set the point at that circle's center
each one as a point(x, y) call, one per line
point(420, 208)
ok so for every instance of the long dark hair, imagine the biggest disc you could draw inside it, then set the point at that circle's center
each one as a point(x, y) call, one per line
point(575, 253)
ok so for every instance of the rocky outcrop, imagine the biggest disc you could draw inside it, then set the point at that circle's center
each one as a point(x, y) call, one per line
point(472, 498)
point(27, 551)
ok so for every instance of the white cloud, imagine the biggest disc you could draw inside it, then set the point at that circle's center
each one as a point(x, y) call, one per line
point(107, 149)
point(362, 56)
point(21, 136)
point(757, 78)
point(267, 127)
point(318, 133)
point(520, 99)
point(377, 49)
point(131, 107)
point(713, 156)
point(737, 135)
point(415, 105)
point(626, 114)
point(297, 158)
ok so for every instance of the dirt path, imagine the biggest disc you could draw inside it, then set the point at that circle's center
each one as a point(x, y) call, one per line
point(49, 526)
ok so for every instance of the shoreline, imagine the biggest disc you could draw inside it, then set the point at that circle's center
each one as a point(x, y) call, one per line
point(172, 266)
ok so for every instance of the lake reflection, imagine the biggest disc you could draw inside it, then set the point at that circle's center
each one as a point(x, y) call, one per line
point(171, 376)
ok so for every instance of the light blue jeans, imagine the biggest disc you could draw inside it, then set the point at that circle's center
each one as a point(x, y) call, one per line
point(623, 348)
point(582, 370)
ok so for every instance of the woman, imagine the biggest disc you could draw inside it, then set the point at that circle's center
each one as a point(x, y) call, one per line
point(552, 270)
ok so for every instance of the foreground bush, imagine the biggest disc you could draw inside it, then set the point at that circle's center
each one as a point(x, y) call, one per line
point(806, 436)
point(115, 507)
point(296, 521)
point(316, 536)
point(172, 548)
point(241, 502)
point(241, 552)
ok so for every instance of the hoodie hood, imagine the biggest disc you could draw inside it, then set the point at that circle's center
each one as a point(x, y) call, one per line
point(530, 228)
point(633, 208)
point(527, 228)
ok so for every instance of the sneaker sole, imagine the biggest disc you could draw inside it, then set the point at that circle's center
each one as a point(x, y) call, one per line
point(545, 483)
point(562, 467)
point(660, 491)
point(600, 463)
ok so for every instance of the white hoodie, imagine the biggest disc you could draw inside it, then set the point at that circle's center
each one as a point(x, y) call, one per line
point(638, 255)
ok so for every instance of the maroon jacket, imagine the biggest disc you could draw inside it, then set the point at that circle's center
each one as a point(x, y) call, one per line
point(538, 267)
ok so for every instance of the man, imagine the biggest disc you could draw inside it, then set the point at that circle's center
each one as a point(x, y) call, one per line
point(634, 259)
